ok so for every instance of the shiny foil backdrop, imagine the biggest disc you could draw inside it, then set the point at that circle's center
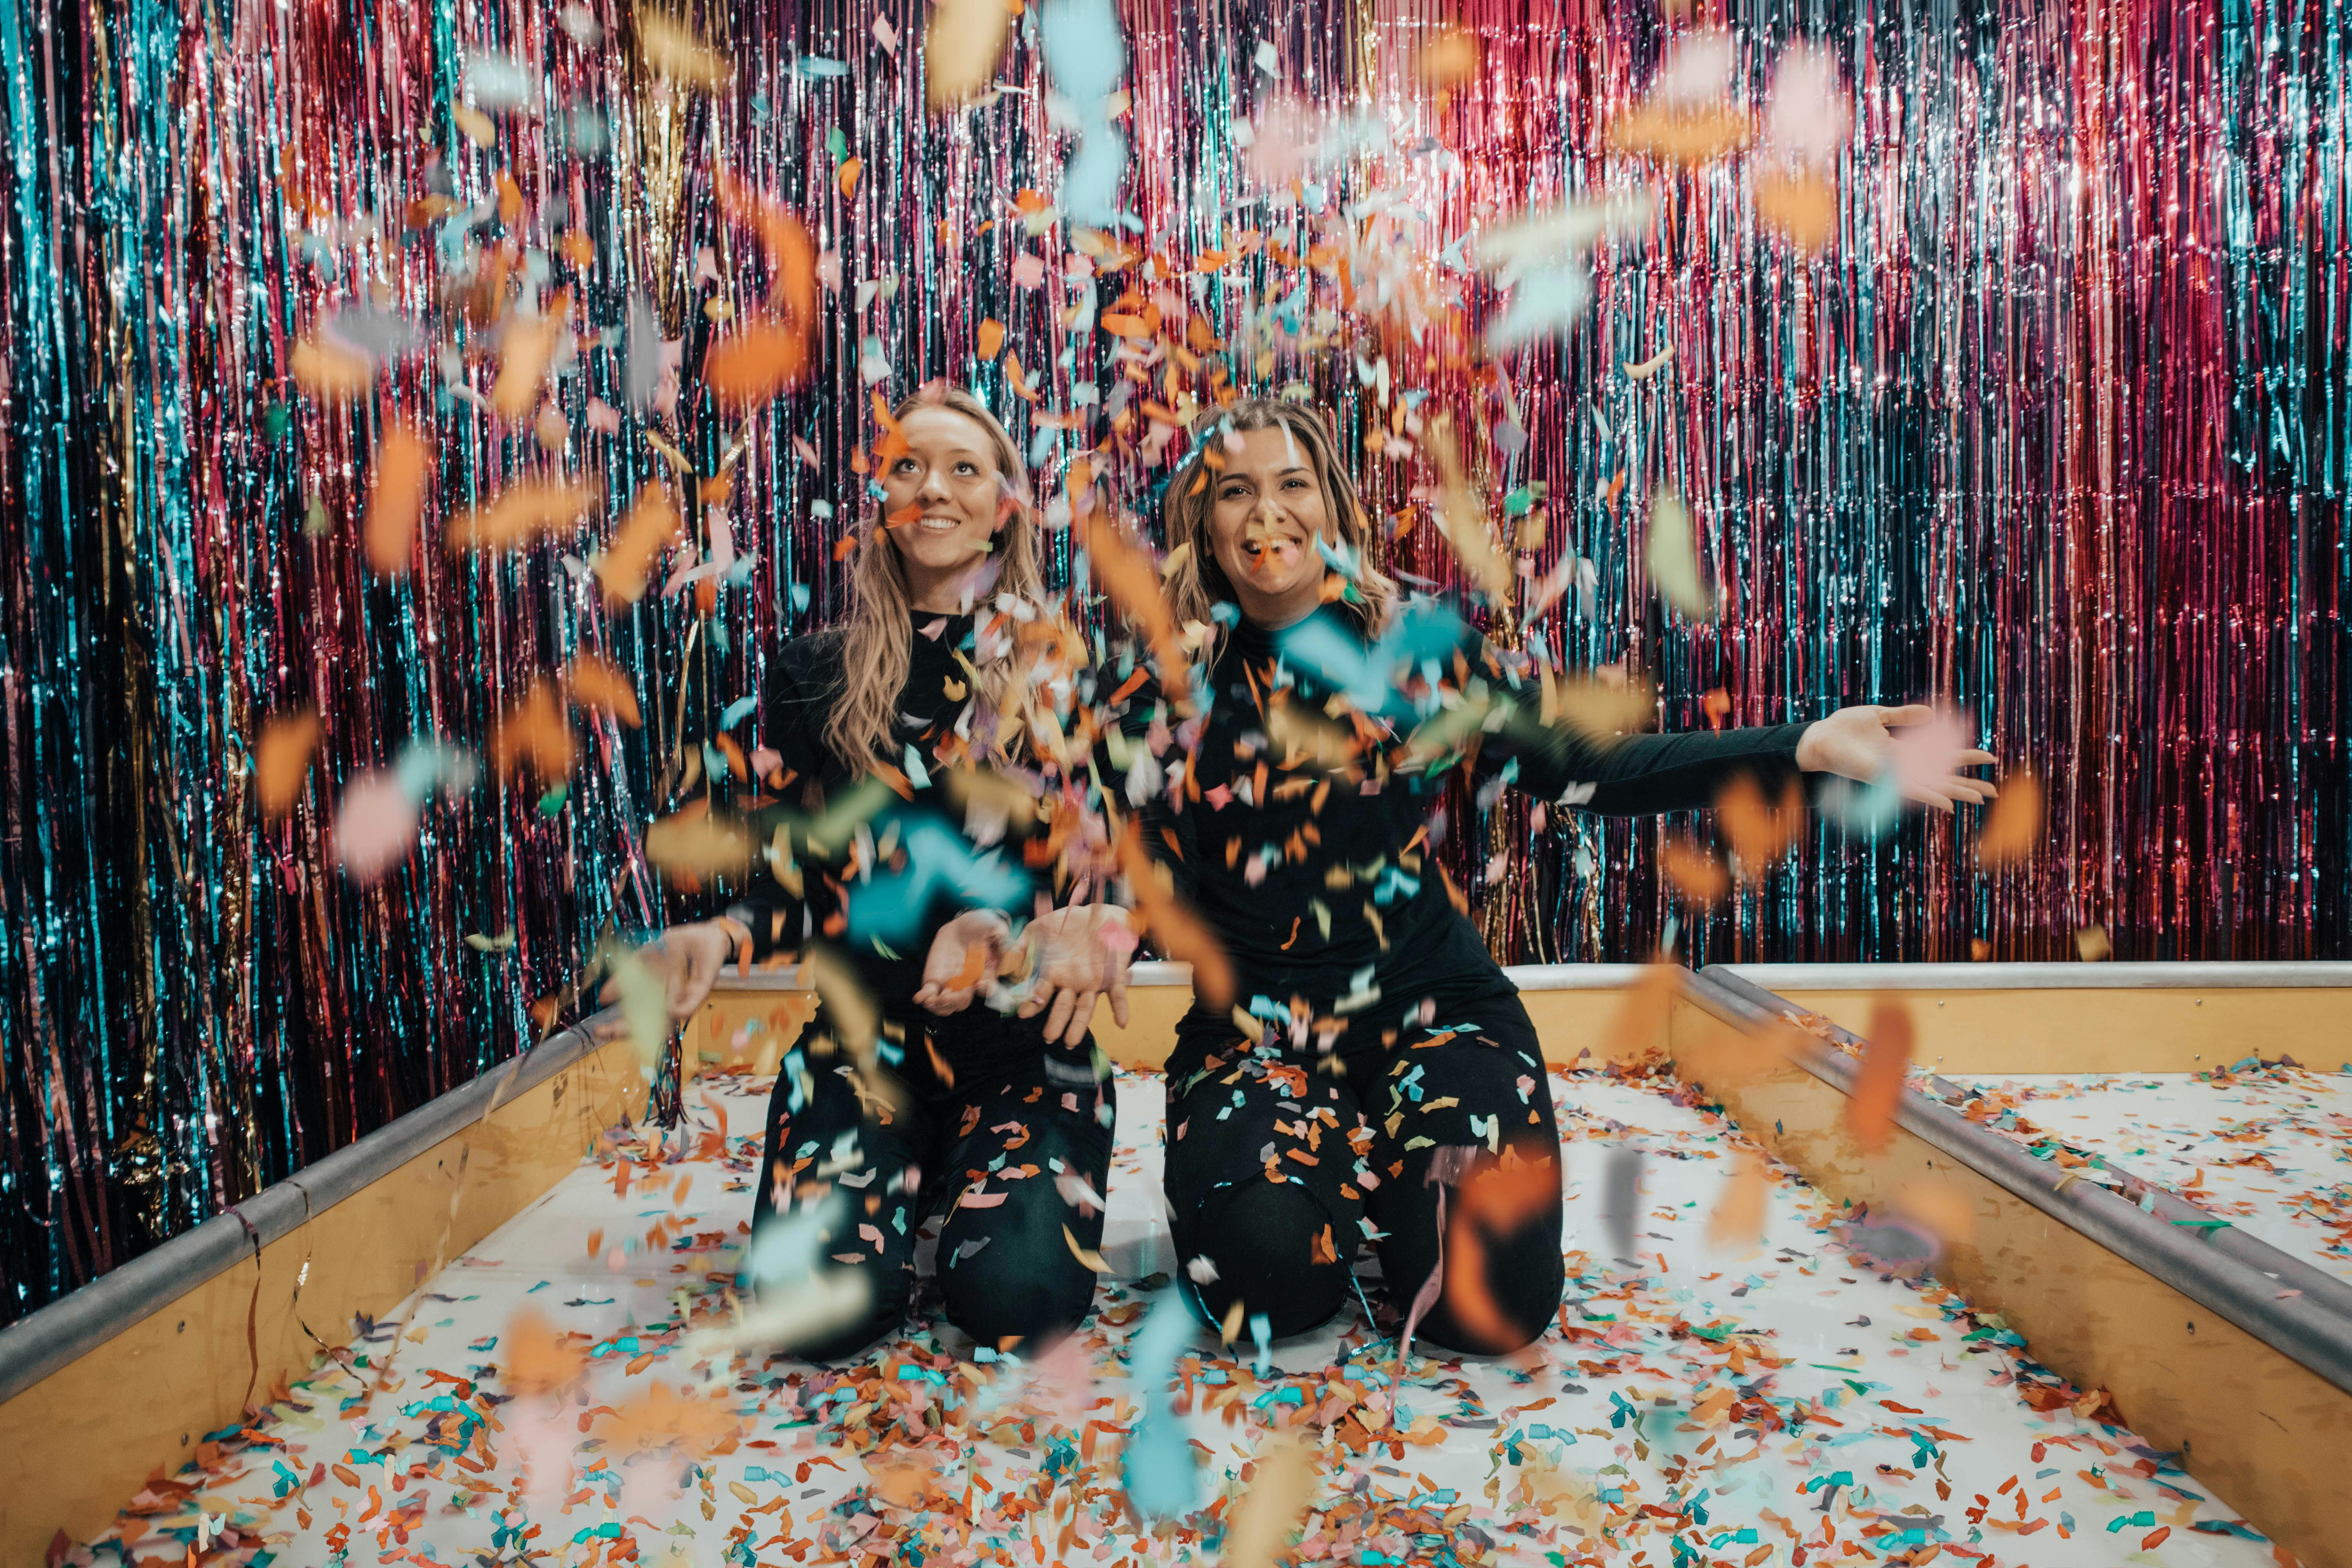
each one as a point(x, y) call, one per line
point(2055, 429)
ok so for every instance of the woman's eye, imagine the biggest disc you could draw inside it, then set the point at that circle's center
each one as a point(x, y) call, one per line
point(1293, 483)
point(905, 465)
point(966, 469)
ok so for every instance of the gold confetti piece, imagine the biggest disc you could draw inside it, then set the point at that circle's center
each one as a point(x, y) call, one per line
point(1738, 1220)
point(1670, 557)
point(2092, 943)
point(521, 514)
point(1086, 1257)
point(525, 347)
point(281, 759)
point(1232, 1328)
point(754, 364)
point(2012, 828)
point(478, 127)
point(1598, 708)
point(1759, 833)
point(1273, 1505)
point(693, 843)
point(597, 684)
point(1676, 134)
point(651, 526)
point(1878, 1081)
point(1800, 207)
point(846, 175)
point(671, 50)
point(1462, 519)
point(329, 372)
point(961, 46)
point(1697, 874)
point(534, 734)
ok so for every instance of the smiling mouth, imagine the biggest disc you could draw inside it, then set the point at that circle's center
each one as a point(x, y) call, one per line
point(939, 524)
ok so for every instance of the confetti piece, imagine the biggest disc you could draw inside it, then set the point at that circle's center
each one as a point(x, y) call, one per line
point(1801, 208)
point(534, 734)
point(1462, 519)
point(1651, 366)
point(537, 1360)
point(2011, 833)
point(1878, 1081)
point(521, 514)
point(1759, 835)
point(1938, 1210)
point(669, 49)
point(1447, 61)
point(1621, 1198)
point(1496, 1199)
point(694, 843)
point(962, 42)
point(526, 345)
point(375, 824)
point(1599, 708)
point(1737, 1222)
point(2092, 944)
point(1695, 874)
point(1125, 572)
point(651, 527)
point(1671, 558)
point(1809, 118)
point(281, 759)
point(1180, 932)
point(594, 683)
point(1158, 1468)
point(330, 372)
point(1087, 1258)
point(396, 494)
point(1273, 1505)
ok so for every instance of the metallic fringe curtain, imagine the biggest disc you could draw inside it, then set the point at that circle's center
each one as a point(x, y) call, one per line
point(2055, 429)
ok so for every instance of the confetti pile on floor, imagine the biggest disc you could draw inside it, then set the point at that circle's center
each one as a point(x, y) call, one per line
point(1775, 1403)
point(2267, 1145)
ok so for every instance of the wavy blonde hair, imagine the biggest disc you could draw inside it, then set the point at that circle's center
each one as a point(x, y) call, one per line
point(1199, 584)
point(880, 623)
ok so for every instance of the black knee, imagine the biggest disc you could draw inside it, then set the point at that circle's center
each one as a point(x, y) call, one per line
point(1271, 1247)
point(1009, 1297)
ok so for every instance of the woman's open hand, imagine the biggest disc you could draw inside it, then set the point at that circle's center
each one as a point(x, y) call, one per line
point(1926, 758)
point(964, 960)
point(1082, 953)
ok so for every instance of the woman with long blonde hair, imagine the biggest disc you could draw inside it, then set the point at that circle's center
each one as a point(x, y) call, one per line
point(919, 687)
point(1380, 1064)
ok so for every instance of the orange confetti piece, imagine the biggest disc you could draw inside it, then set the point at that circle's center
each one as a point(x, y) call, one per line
point(525, 348)
point(963, 43)
point(281, 759)
point(752, 364)
point(1497, 1199)
point(403, 476)
point(538, 1360)
point(1676, 135)
point(1759, 833)
point(1127, 574)
point(1461, 518)
point(671, 50)
point(2092, 946)
point(651, 526)
point(1800, 207)
point(1695, 874)
point(329, 372)
point(693, 843)
point(1939, 1211)
point(1447, 61)
point(522, 513)
point(1738, 1219)
point(1180, 933)
point(663, 1418)
point(596, 684)
point(847, 175)
point(534, 734)
point(1878, 1083)
point(2012, 828)
point(769, 354)
point(991, 339)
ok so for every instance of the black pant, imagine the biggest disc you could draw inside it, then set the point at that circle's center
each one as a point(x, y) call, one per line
point(990, 1149)
point(1274, 1166)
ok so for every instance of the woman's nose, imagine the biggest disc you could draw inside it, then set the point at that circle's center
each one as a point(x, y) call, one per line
point(933, 487)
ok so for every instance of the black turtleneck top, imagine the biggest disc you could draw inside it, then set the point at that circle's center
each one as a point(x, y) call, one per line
point(1314, 870)
point(807, 681)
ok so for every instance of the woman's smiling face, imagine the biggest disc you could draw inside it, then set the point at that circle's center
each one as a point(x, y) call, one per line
point(1267, 510)
point(943, 499)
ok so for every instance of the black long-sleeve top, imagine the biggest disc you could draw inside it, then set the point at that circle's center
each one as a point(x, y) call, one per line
point(1315, 871)
point(931, 869)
